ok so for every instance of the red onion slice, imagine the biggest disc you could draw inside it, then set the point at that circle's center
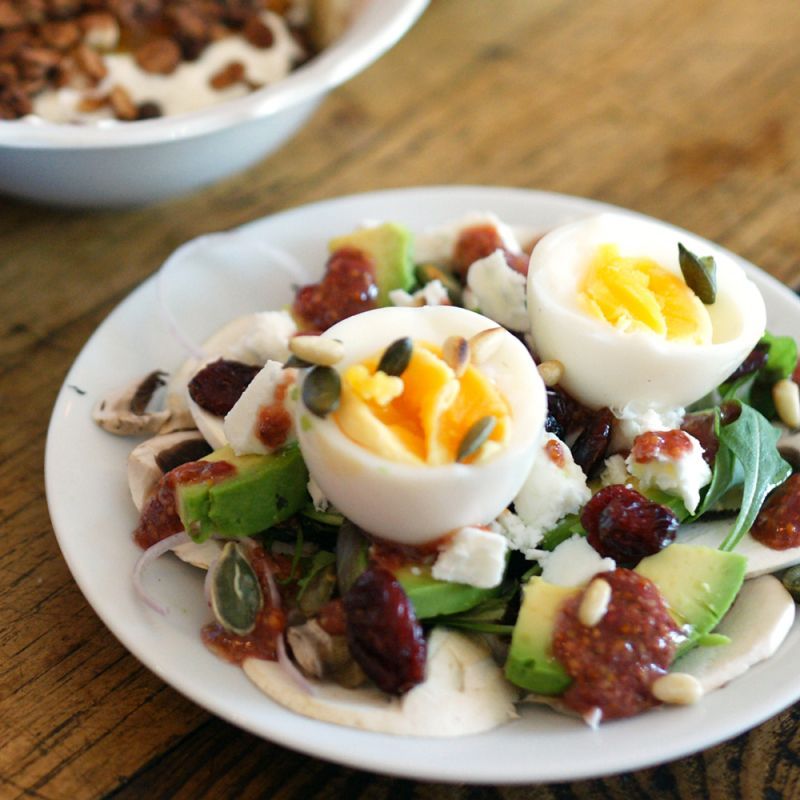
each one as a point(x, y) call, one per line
point(148, 557)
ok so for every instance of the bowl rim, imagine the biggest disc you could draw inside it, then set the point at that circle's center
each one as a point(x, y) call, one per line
point(378, 26)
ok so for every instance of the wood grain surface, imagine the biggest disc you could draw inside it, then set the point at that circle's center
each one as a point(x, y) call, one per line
point(686, 110)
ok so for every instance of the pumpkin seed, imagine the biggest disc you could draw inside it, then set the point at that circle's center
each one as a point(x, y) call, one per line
point(455, 352)
point(236, 596)
point(475, 437)
point(321, 390)
point(700, 274)
point(791, 582)
point(396, 357)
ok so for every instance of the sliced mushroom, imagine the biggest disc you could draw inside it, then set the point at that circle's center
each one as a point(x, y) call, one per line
point(124, 412)
point(320, 655)
point(157, 456)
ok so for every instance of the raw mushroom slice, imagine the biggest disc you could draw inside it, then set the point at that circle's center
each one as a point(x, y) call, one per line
point(464, 693)
point(760, 559)
point(151, 459)
point(124, 412)
point(757, 624)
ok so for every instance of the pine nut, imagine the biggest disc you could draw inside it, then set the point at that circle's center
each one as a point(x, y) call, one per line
point(455, 352)
point(484, 345)
point(317, 350)
point(677, 688)
point(551, 372)
point(786, 396)
point(595, 602)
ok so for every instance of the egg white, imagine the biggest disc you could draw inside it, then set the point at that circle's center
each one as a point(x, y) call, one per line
point(413, 504)
point(608, 367)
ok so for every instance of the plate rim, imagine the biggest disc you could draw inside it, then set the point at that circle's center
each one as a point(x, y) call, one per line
point(397, 764)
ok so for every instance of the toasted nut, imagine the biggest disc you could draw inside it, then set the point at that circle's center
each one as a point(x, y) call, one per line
point(551, 372)
point(121, 103)
point(231, 73)
point(786, 396)
point(455, 352)
point(677, 688)
point(317, 350)
point(484, 345)
point(101, 30)
point(595, 602)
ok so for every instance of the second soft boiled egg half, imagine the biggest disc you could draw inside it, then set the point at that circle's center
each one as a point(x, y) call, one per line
point(607, 298)
point(391, 456)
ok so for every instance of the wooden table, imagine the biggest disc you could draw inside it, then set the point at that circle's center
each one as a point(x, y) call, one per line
point(681, 109)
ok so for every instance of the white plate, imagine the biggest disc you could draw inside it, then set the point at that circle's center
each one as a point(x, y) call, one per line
point(93, 518)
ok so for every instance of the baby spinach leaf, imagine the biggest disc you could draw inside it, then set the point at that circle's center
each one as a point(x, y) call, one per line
point(751, 443)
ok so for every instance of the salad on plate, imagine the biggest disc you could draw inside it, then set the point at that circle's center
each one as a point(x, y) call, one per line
point(477, 466)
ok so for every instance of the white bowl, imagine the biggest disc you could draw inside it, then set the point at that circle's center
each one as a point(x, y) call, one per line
point(131, 163)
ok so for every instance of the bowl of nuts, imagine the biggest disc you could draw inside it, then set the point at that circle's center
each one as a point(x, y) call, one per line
point(113, 103)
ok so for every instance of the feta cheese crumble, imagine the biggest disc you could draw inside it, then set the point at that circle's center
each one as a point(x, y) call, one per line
point(432, 293)
point(682, 475)
point(631, 421)
point(574, 563)
point(499, 291)
point(266, 338)
point(473, 556)
point(437, 244)
point(241, 422)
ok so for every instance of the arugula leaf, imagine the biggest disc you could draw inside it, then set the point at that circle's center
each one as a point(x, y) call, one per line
point(484, 618)
point(782, 356)
point(747, 454)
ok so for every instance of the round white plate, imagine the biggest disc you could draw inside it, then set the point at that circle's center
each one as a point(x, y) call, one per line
point(235, 273)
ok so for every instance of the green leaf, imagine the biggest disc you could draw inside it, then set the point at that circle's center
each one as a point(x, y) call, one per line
point(700, 274)
point(782, 356)
point(567, 527)
point(751, 442)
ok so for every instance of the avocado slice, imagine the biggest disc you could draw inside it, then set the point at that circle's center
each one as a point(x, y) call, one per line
point(390, 248)
point(698, 583)
point(530, 663)
point(434, 598)
point(264, 490)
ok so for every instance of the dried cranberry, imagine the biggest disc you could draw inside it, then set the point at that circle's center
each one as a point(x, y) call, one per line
point(624, 525)
point(778, 523)
point(590, 447)
point(613, 664)
point(756, 359)
point(701, 426)
point(383, 634)
point(218, 386)
point(348, 288)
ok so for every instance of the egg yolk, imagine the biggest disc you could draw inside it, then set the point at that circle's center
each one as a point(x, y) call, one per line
point(422, 416)
point(637, 294)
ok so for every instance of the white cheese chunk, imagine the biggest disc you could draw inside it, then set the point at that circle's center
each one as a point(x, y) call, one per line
point(432, 293)
point(473, 556)
point(550, 491)
point(682, 476)
point(499, 291)
point(266, 338)
point(574, 563)
point(321, 503)
point(631, 421)
point(241, 422)
point(615, 471)
point(438, 244)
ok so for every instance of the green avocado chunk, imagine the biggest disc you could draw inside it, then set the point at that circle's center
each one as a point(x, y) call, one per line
point(698, 583)
point(530, 662)
point(390, 247)
point(434, 598)
point(264, 490)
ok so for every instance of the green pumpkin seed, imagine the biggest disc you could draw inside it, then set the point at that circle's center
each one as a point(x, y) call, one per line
point(475, 437)
point(791, 581)
point(322, 389)
point(236, 596)
point(700, 274)
point(396, 357)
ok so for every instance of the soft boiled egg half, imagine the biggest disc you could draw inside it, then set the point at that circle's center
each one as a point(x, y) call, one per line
point(388, 456)
point(607, 298)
